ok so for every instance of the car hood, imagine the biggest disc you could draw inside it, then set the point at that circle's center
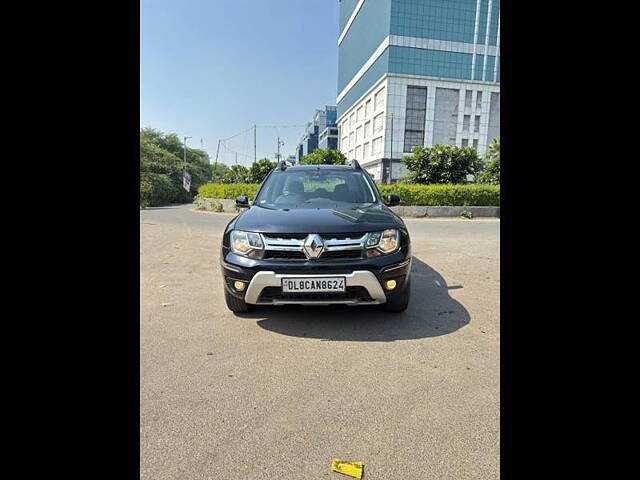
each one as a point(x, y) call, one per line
point(318, 220)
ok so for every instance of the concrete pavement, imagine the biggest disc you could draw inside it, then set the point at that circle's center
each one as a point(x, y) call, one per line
point(279, 393)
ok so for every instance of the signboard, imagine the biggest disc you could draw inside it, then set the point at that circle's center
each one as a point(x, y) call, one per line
point(186, 181)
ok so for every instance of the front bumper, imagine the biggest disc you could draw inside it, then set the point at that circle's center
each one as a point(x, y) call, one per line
point(364, 279)
point(359, 278)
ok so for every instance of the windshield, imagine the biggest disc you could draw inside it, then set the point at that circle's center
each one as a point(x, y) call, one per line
point(315, 188)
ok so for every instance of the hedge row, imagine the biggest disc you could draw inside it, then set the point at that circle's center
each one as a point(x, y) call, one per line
point(422, 195)
point(444, 195)
point(228, 190)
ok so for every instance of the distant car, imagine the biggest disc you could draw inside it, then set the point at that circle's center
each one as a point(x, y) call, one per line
point(317, 235)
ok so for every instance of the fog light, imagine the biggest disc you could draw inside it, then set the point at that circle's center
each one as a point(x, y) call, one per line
point(239, 286)
point(390, 284)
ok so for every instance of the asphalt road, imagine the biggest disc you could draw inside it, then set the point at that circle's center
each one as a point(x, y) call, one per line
point(279, 393)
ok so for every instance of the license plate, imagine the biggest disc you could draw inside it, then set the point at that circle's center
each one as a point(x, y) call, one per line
point(311, 285)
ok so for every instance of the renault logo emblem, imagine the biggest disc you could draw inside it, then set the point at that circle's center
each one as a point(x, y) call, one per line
point(313, 246)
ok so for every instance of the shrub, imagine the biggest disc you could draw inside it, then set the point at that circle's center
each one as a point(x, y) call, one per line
point(441, 164)
point(145, 193)
point(444, 195)
point(324, 156)
point(236, 174)
point(410, 194)
point(491, 169)
point(228, 190)
point(260, 169)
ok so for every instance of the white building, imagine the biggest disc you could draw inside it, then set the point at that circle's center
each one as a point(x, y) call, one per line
point(416, 72)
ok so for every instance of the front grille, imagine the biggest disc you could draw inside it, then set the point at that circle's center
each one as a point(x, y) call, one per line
point(275, 293)
point(337, 254)
point(341, 236)
point(290, 255)
point(296, 236)
point(288, 246)
point(283, 255)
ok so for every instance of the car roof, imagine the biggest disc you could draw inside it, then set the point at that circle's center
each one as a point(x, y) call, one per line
point(316, 167)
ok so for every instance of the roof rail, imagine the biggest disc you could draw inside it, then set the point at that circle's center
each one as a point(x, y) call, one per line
point(355, 165)
point(282, 165)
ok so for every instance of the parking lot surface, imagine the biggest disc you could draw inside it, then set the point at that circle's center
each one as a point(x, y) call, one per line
point(281, 392)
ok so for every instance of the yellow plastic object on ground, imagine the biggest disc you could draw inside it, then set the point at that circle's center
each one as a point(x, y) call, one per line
point(353, 469)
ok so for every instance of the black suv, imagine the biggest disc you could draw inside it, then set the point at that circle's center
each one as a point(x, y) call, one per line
point(316, 235)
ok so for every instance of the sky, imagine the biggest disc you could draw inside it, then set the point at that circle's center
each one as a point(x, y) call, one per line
point(210, 69)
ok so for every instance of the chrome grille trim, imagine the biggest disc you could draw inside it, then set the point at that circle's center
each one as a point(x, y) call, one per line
point(330, 244)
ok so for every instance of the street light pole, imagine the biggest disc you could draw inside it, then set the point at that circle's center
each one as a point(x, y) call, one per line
point(184, 144)
point(215, 165)
point(278, 154)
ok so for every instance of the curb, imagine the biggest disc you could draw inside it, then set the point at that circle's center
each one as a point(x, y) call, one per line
point(450, 211)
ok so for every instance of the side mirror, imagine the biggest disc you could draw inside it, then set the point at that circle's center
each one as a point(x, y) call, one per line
point(392, 201)
point(242, 201)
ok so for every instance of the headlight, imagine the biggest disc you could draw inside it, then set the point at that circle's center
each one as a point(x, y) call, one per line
point(384, 242)
point(247, 244)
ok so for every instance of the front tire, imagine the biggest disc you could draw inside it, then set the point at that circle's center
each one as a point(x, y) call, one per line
point(236, 304)
point(399, 302)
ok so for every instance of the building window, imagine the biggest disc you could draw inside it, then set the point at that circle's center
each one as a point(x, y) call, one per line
point(359, 114)
point(466, 121)
point(475, 144)
point(415, 117)
point(476, 125)
point(358, 152)
point(351, 140)
point(479, 100)
point(377, 123)
point(343, 143)
point(376, 146)
point(465, 142)
point(367, 108)
point(351, 121)
point(359, 134)
point(350, 154)
point(365, 150)
point(367, 129)
point(467, 99)
point(379, 99)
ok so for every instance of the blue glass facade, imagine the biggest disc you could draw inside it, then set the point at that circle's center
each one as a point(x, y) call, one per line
point(451, 20)
point(332, 116)
point(346, 9)
point(379, 68)
point(444, 20)
point(321, 133)
point(495, 15)
point(432, 63)
point(369, 29)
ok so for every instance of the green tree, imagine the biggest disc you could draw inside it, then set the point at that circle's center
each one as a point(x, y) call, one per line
point(491, 168)
point(236, 174)
point(218, 171)
point(260, 169)
point(162, 165)
point(324, 156)
point(441, 164)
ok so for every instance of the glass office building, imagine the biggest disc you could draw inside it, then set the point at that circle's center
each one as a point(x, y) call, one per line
point(321, 133)
point(416, 72)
